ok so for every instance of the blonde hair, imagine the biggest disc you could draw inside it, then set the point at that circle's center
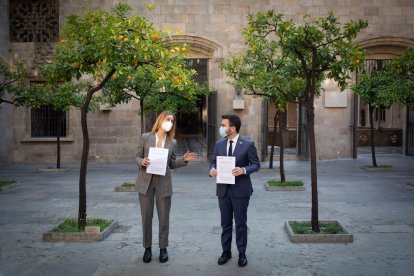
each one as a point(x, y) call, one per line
point(160, 120)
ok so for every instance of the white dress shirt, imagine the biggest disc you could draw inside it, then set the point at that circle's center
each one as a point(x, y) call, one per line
point(234, 143)
point(156, 140)
point(234, 147)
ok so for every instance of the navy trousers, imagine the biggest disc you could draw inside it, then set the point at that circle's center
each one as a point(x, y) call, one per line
point(230, 207)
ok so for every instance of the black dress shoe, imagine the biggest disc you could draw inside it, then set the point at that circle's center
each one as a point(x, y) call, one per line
point(163, 255)
point(242, 259)
point(224, 257)
point(147, 255)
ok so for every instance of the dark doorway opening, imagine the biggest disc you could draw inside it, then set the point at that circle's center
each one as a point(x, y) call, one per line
point(192, 126)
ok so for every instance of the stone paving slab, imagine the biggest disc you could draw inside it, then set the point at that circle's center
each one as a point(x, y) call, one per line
point(376, 207)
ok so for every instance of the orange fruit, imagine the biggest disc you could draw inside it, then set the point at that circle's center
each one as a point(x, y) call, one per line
point(155, 36)
point(125, 39)
point(177, 80)
point(129, 77)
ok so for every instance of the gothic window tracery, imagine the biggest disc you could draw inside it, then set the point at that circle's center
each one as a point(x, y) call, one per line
point(34, 21)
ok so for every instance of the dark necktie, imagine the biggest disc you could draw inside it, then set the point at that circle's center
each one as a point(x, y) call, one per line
point(230, 153)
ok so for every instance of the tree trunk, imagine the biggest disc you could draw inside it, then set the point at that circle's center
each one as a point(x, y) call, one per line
point(371, 122)
point(282, 126)
point(141, 106)
point(58, 151)
point(83, 167)
point(85, 151)
point(272, 148)
point(58, 142)
point(310, 112)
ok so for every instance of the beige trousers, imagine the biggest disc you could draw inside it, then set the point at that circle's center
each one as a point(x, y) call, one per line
point(163, 205)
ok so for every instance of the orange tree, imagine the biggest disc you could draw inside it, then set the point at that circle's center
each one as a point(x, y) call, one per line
point(15, 89)
point(379, 90)
point(262, 70)
point(324, 49)
point(382, 88)
point(96, 47)
point(168, 86)
point(402, 69)
point(176, 88)
point(14, 84)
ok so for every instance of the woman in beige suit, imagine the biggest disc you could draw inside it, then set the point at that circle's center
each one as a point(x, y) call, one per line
point(152, 186)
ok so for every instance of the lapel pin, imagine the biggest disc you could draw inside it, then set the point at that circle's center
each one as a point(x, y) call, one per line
point(241, 143)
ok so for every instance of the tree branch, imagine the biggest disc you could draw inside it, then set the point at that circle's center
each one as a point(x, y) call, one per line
point(6, 101)
point(6, 83)
point(101, 85)
point(133, 96)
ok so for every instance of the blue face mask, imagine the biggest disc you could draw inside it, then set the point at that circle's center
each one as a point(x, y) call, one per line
point(223, 132)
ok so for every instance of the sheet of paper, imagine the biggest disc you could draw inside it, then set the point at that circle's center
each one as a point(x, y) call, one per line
point(224, 166)
point(158, 161)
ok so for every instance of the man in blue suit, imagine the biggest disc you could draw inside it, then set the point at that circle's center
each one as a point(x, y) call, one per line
point(234, 199)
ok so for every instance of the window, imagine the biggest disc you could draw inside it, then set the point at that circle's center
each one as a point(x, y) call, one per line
point(34, 21)
point(46, 122)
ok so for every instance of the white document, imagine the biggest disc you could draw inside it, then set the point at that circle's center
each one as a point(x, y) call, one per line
point(224, 166)
point(158, 161)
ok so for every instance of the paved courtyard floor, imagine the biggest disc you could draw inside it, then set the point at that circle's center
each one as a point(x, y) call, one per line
point(376, 207)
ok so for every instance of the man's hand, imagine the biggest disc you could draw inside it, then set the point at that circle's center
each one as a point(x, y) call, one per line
point(213, 172)
point(145, 162)
point(237, 171)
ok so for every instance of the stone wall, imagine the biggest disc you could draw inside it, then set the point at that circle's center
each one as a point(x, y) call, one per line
point(332, 128)
point(113, 135)
point(6, 120)
point(4, 30)
point(218, 25)
point(6, 138)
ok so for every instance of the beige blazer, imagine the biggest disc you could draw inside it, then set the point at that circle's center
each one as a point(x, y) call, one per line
point(144, 179)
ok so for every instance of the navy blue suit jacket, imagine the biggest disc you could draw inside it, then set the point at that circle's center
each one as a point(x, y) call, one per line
point(246, 157)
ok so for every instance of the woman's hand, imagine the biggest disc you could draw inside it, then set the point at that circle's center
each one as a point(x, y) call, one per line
point(189, 156)
point(145, 162)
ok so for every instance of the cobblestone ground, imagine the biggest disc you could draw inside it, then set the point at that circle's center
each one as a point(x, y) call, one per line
point(376, 207)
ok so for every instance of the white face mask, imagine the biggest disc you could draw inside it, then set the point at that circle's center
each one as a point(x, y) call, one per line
point(223, 132)
point(167, 126)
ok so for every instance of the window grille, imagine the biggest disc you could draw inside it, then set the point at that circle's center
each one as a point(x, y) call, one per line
point(46, 122)
point(34, 21)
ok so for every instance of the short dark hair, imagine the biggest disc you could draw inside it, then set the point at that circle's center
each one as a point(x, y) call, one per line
point(234, 120)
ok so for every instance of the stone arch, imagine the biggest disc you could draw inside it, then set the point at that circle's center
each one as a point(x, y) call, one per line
point(385, 47)
point(199, 47)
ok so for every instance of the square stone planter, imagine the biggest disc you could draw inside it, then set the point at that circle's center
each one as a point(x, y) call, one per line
point(318, 238)
point(52, 170)
point(79, 237)
point(125, 189)
point(268, 170)
point(7, 187)
point(285, 188)
point(378, 169)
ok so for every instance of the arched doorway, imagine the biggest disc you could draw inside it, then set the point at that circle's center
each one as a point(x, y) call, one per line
point(197, 131)
point(394, 127)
